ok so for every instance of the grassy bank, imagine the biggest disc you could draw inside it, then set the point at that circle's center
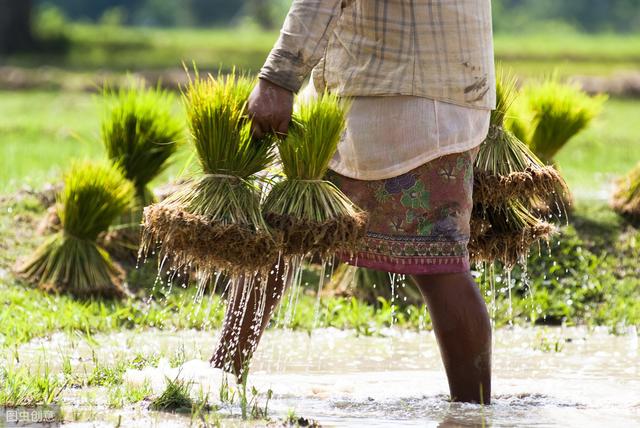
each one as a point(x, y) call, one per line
point(91, 47)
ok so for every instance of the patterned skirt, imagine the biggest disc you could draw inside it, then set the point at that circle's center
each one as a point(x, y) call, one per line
point(419, 221)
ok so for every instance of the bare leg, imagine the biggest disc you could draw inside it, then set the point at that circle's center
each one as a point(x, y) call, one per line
point(249, 310)
point(463, 330)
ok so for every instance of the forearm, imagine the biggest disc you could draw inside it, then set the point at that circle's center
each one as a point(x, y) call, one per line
point(302, 42)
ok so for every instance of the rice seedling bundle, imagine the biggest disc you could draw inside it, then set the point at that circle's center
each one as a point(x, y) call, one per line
point(508, 181)
point(626, 199)
point(314, 216)
point(505, 168)
point(93, 197)
point(214, 221)
point(140, 135)
point(558, 112)
point(505, 233)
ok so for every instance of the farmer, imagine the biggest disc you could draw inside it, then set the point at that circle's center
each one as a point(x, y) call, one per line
point(421, 76)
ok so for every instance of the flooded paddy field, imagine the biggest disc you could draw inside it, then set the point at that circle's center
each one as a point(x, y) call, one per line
point(542, 377)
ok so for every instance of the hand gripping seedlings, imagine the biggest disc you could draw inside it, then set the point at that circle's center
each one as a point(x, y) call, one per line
point(314, 216)
point(506, 168)
point(93, 197)
point(214, 222)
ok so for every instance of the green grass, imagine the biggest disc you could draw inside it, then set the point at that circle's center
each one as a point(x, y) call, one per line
point(608, 149)
point(40, 132)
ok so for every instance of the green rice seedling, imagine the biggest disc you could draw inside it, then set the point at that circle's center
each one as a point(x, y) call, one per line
point(140, 135)
point(558, 112)
point(626, 199)
point(214, 222)
point(93, 197)
point(506, 233)
point(23, 387)
point(313, 215)
point(509, 180)
point(175, 397)
point(505, 168)
point(121, 395)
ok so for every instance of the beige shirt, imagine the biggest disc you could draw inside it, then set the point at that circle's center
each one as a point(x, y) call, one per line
point(389, 136)
point(437, 49)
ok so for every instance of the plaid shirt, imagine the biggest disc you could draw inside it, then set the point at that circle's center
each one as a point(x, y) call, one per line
point(438, 49)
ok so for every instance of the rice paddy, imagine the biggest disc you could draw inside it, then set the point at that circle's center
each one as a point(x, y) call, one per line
point(144, 359)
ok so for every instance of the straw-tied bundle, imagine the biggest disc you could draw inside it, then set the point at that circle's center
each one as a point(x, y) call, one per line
point(140, 134)
point(214, 222)
point(314, 216)
point(626, 199)
point(71, 260)
point(506, 168)
point(508, 179)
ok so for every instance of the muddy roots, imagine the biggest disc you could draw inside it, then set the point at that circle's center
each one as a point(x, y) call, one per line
point(543, 183)
point(302, 237)
point(210, 246)
point(505, 235)
point(65, 264)
point(510, 248)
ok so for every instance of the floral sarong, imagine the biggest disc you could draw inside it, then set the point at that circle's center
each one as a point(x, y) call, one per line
point(419, 221)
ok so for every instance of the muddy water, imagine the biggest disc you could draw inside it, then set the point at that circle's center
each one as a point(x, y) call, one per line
point(542, 377)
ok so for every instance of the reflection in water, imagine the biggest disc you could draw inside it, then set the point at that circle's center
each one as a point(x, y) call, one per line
point(398, 380)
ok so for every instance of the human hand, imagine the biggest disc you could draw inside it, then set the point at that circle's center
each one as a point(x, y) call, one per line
point(270, 107)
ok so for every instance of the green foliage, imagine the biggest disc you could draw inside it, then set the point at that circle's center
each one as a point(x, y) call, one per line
point(140, 134)
point(305, 153)
point(586, 15)
point(580, 278)
point(558, 112)
point(503, 153)
point(175, 397)
point(19, 386)
point(220, 128)
point(313, 137)
point(626, 200)
point(122, 395)
point(93, 196)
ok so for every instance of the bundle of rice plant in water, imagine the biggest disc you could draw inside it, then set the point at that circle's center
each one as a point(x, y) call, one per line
point(94, 196)
point(140, 134)
point(314, 216)
point(558, 112)
point(626, 199)
point(214, 222)
point(505, 168)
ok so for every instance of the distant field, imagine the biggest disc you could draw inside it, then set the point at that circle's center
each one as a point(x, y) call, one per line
point(123, 49)
point(42, 131)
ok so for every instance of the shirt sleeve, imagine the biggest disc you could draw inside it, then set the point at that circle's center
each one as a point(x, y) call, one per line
point(302, 42)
